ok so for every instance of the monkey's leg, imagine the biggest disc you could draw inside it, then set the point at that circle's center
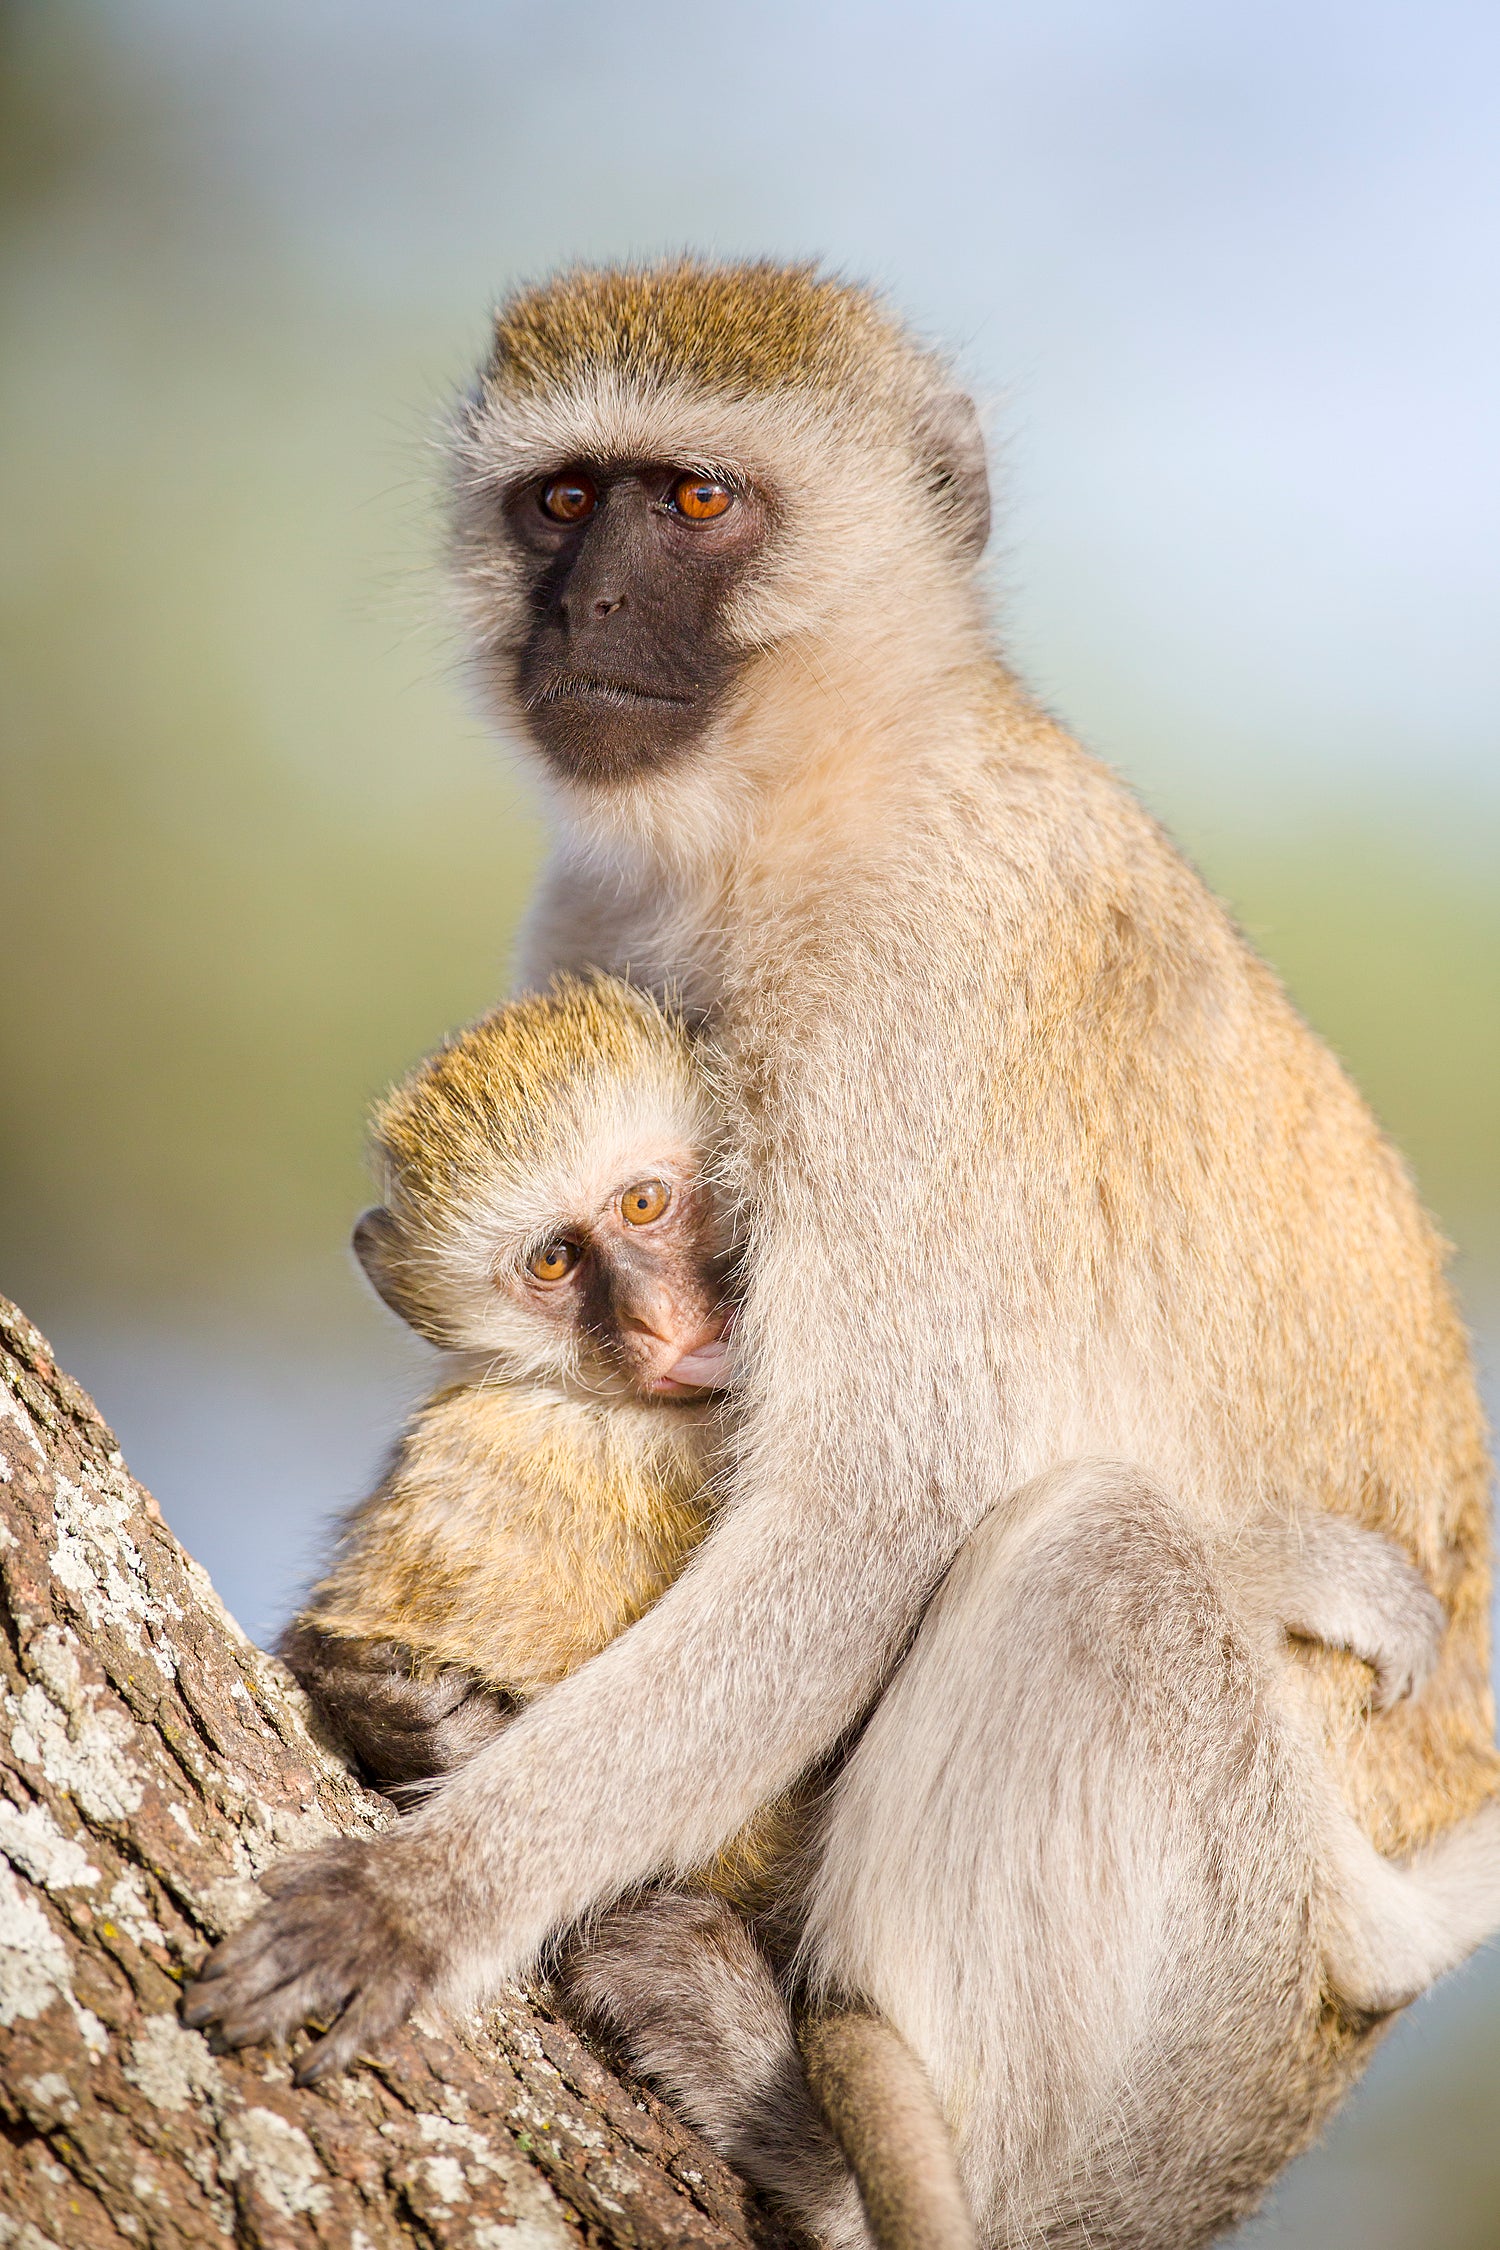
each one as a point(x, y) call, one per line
point(1391, 1928)
point(1073, 1859)
point(683, 1986)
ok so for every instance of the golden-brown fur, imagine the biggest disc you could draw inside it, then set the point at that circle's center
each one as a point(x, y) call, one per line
point(744, 331)
point(535, 1505)
point(530, 1512)
point(516, 1534)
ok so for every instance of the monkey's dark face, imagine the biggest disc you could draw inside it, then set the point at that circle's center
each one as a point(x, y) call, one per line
point(632, 567)
point(639, 1285)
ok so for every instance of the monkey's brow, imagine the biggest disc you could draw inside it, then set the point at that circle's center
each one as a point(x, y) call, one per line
point(514, 477)
point(560, 1230)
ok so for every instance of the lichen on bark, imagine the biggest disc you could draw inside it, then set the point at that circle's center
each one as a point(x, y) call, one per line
point(152, 1763)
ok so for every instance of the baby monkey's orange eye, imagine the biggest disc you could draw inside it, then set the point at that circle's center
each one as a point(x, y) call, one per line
point(700, 498)
point(646, 1201)
point(571, 498)
point(554, 1262)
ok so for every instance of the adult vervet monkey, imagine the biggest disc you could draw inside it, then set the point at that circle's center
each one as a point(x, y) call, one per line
point(550, 1224)
point(1071, 1253)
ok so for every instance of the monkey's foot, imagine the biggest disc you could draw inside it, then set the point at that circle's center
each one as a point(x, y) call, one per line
point(332, 1947)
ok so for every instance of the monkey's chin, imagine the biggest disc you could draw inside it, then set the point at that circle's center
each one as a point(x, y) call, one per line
point(597, 732)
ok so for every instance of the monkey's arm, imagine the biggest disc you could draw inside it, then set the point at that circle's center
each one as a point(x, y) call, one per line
point(642, 1761)
point(402, 1726)
point(876, 1435)
point(1325, 1579)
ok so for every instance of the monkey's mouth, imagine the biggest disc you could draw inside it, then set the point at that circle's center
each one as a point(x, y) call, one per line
point(704, 1370)
point(587, 687)
point(707, 1367)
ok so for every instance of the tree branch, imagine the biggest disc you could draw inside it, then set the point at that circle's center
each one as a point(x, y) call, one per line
point(152, 1763)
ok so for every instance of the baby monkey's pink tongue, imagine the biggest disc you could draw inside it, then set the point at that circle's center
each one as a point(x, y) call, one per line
point(706, 1368)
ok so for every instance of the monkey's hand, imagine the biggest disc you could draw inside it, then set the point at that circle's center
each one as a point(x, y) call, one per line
point(401, 1726)
point(337, 1945)
point(1356, 1590)
point(1325, 1579)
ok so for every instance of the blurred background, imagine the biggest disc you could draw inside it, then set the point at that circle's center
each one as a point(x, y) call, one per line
point(1225, 283)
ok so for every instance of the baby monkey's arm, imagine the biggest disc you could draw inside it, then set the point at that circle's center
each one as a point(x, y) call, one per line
point(509, 1540)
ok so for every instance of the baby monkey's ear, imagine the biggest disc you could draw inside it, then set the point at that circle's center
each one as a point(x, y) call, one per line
point(377, 1245)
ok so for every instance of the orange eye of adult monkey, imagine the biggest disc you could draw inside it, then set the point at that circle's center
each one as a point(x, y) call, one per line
point(646, 1201)
point(700, 499)
point(553, 1262)
point(571, 498)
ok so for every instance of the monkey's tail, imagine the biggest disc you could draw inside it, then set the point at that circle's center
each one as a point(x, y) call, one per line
point(881, 2110)
point(1396, 1926)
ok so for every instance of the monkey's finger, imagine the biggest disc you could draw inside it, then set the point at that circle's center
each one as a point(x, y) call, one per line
point(270, 1999)
point(278, 1958)
point(219, 1972)
point(230, 1997)
point(268, 2018)
point(247, 1955)
point(363, 2028)
point(445, 1694)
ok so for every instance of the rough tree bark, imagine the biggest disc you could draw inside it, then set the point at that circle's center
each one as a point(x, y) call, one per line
point(152, 1763)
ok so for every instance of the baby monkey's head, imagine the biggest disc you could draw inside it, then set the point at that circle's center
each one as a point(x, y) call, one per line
point(545, 1199)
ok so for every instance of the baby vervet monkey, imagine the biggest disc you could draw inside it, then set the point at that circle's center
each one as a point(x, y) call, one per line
point(550, 1223)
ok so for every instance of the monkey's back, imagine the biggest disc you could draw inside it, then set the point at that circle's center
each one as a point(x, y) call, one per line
point(1202, 1254)
point(1247, 1233)
point(1206, 1257)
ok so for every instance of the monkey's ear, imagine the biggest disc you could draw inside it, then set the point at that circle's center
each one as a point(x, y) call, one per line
point(377, 1245)
point(953, 451)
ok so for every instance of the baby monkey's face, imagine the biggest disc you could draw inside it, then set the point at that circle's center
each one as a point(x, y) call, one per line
point(550, 1213)
point(635, 1281)
point(610, 1275)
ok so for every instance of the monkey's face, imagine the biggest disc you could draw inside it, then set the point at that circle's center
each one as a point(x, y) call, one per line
point(669, 481)
point(631, 571)
point(614, 1283)
point(548, 1207)
point(634, 1286)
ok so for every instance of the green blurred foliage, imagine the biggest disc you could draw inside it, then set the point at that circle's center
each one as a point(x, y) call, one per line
point(1388, 937)
point(254, 853)
point(253, 856)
